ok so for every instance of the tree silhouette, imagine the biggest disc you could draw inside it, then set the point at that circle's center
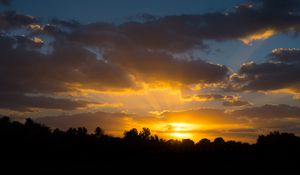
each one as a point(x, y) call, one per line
point(99, 132)
point(203, 145)
point(145, 134)
point(219, 141)
point(32, 140)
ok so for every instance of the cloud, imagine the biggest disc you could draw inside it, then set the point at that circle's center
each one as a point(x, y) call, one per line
point(278, 73)
point(288, 55)
point(205, 97)
point(255, 20)
point(159, 66)
point(26, 103)
point(279, 6)
point(270, 111)
point(269, 118)
point(69, 67)
point(134, 53)
point(28, 43)
point(236, 103)
point(227, 100)
point(11, 19)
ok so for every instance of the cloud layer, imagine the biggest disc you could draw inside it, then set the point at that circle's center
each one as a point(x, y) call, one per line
point(279, 72)
point(57, 64)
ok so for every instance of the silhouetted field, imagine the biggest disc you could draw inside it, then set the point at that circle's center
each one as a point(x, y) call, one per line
point(32, 146)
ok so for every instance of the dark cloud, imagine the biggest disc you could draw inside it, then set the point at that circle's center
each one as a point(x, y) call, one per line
point(205, 97)
point(269, 118)
point(136, 58)
point(227, 100)
point(236, 103)
point(63, 23)
point(289, 55)
point(28, 43)
point(279, 6)
point(178, 33)
point(243, 130)
point(11, 19)
point(151, 66)
point(34, 72)
point(270, 111)
point(280, 72)
point(26, 71)
point(26, 103)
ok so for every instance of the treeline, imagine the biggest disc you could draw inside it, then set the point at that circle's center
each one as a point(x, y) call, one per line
point(34, 141)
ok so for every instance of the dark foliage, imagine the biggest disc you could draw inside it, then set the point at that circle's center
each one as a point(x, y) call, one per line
point(37, 144)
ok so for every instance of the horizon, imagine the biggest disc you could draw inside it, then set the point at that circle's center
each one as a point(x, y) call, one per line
point(184, 69)
point(132, 134)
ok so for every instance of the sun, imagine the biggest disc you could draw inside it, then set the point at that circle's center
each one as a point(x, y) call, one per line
point(181, 135)
point(181, 126)
point(182, 130)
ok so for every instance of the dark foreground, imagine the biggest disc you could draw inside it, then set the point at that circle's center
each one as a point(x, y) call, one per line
point(33, 148)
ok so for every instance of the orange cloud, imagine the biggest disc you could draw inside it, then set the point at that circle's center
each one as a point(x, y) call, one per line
point(261, 35)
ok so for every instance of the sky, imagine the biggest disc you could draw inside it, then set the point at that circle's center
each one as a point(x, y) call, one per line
point(183, 68)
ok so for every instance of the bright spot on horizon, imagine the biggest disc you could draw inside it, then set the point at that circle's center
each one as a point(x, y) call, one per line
point(182, 130)
point(181, 135)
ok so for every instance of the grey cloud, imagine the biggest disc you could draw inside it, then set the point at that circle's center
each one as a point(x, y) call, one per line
point(26, 71)
point(28, 43)
point(270, 111)
point(12, 19)
point(279, 6)
point(205, 97)
point(268, 118)
point(288, 55)
point(236, 103)
point(25, 103)
point(227, 100)
point(162, 66)
point(178, 33)
point(279, 72)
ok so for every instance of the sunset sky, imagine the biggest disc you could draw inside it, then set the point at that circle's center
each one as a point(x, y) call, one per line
point(183, 68)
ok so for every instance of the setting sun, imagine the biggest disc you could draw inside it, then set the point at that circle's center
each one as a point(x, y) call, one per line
point(178, 135)
point(178, 130)
point(182, 126)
